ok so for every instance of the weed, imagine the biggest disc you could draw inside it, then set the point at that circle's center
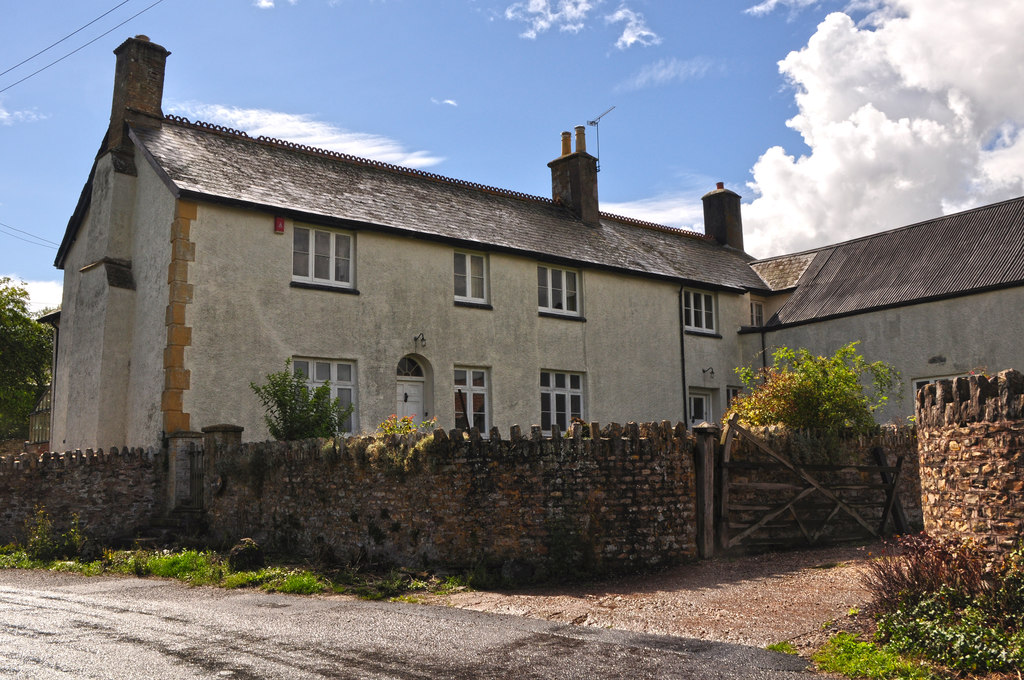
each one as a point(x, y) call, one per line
point(845, 654)
point(784, 647)
point(198, 568)
point(298, 583)
point(853, 611)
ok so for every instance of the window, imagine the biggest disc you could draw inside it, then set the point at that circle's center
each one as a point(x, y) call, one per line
point(470, 277)
point(320, 256)
point(756, 314)
point(558, 290)
point(561, 399)
point(471, 399)
point(339, 375)
point(699, 310)
point(700, 408)
point(730, 395)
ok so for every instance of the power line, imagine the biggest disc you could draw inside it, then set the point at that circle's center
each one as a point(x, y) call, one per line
point(78, 49)
point(46, 243)
point(46, 49)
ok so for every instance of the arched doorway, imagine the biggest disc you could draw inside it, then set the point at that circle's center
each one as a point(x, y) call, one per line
point(414, 394)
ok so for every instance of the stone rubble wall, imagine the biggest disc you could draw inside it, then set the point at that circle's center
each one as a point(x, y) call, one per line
point(114, 492)
point(544, 506)
point(971, 442)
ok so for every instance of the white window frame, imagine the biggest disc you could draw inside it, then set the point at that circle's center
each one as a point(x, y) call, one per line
point(468, 388)
point(558, 299)
point(468, 258)
point(731, 392)
point(756, 313)
point(333, 236)
point(333, 372)
point(705, 397)
point(564, 387)
point(699, 311)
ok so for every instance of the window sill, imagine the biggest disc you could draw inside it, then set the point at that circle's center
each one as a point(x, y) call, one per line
point(320, 286)
point(473, 305)
point(703, 334)
point(564, 317)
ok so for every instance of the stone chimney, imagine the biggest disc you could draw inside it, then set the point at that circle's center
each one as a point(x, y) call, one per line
point(574, 178)
point(722, 220)
point(138, 92)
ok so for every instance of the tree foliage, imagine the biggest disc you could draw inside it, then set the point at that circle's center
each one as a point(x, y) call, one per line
point(294, 411)
point(26, 349)
point(804, 391)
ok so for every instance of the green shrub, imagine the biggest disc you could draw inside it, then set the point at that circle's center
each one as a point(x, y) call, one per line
point(804, 391)
point(44, 543)
point(294, 411)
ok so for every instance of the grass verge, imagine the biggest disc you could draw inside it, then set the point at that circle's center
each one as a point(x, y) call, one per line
point(845, 654)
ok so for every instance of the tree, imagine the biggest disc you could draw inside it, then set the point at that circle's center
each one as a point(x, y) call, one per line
point(26, 350)
point(294, 411)
point(804, 391)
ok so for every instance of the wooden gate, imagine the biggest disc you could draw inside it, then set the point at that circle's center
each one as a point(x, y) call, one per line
point(772, 502)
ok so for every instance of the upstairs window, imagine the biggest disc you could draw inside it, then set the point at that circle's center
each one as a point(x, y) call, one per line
point(470, 277)
point(561, 399)
point(699, 311)
point(757, 314)
point(321, 256)
point(339, 375)
point(558, 290)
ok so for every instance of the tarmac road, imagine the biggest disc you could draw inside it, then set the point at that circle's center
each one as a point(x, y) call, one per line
point(69, 626)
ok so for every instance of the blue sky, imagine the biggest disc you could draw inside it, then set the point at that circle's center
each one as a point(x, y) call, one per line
point(831, 119)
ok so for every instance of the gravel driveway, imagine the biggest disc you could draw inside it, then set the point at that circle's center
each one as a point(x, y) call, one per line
point(754, 601)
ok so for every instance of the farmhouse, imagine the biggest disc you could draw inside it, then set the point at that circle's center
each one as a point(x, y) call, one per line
point(199, 259)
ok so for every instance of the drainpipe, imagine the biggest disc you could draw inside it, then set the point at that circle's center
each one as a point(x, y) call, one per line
point(764, 359)
point(682, 355)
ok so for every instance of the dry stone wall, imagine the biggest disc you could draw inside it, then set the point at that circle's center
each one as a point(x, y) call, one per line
point(537, 506)
point(971, 441)
point(113, 492)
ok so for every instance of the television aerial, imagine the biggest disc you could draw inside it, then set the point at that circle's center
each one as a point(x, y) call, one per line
point(594, 124)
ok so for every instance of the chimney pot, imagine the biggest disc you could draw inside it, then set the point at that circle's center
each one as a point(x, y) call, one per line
point(720, 185)
point(566, 143)
point(581, 139)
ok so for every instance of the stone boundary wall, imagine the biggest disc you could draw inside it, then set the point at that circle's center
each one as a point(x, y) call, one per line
point(113, 492)
point(971, 443)
point(529, 505)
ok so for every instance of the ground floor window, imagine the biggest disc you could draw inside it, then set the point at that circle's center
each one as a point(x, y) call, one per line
point(339, 375)
point(561, 399)
point(471, 399)
point(700, 408)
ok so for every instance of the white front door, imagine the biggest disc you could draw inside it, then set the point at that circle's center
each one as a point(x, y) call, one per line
point(410, 399)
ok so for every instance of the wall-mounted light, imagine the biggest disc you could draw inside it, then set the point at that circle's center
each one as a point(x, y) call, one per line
point(419, 340)
point(708, 371)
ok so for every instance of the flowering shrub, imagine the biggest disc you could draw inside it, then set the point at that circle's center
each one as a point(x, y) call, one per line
point(404, 425)
point(804, 391)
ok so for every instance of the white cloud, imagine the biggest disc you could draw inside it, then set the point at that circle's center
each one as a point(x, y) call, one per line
point(41, 294)
point(636, 30)
point(680, 208)
point(447, 102)
point(769, 6)
point(304, 129)
point(911, 114)
point(13, 117)
point(567, 15)
point(665, 71)
point(269, 4)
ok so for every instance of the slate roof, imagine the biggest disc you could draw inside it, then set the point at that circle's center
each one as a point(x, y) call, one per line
point(967, 252)
point(212, 163)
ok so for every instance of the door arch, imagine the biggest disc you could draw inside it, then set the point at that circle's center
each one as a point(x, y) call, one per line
point(414, 388)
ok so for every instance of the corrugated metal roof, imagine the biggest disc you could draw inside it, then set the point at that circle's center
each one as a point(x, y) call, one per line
point(225, 165)
point(947, 256)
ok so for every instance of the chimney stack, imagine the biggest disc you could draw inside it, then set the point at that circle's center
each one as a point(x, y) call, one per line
point(138, 92)
point(574, 178)
point(722, 220)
